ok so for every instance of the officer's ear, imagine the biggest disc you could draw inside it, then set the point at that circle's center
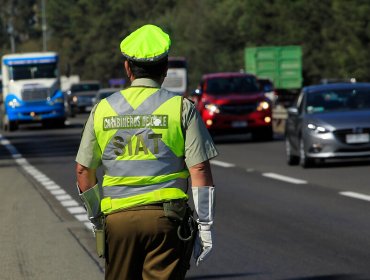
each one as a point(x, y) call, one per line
point(128, 70)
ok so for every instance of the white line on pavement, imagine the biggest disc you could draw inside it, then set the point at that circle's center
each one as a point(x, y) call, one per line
point(284, 178)
point(222, 163)
point(356, 195)
point(66, 200)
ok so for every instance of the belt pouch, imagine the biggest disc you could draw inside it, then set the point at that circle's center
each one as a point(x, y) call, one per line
point(175, 209)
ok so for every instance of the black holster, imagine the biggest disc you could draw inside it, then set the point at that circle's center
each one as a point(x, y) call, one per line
point(180, 212)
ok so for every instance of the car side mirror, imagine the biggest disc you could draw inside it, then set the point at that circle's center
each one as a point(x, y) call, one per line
point(293, 111)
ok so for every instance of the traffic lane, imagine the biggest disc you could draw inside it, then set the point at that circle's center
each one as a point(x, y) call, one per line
point(268, 229)
point(225, 183)
point(346, 175)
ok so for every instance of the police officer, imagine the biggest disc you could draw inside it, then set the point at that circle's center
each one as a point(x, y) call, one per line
point(149, 141)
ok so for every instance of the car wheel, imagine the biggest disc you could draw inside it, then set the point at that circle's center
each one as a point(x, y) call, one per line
point(304, 160)
point(291, 159)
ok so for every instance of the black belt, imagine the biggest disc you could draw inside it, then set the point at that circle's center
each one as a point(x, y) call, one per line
point(153, 206)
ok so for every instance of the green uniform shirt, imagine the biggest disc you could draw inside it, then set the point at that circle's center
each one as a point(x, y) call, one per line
point(199, 145)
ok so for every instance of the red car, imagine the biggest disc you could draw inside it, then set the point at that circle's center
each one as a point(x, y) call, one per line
point(234, 103)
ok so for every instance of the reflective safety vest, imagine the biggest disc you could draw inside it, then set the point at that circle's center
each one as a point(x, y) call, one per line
point(142, 144)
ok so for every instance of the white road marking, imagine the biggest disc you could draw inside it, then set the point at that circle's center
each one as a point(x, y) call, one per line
point(52, 186)
point(65, 200)
point(77, 210)
point(63, 197)
point(88, 225)
point(284, 178)
point(58, 192)
point(69, 203)
point(221, 163)
point(82, 218)
point(356, 195)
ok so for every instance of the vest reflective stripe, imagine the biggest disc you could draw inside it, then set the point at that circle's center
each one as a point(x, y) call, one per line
point(141, 181)
point(109, 205)
point(127, 191)
point(121, 106)
point(142, 167)
point(133, 174)
point(163, 150)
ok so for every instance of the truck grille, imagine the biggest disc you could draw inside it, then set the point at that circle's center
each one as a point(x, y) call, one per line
point(238, 109)
point(35, 94)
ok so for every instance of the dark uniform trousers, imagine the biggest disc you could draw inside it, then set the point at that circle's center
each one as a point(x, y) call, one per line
point(142, 243)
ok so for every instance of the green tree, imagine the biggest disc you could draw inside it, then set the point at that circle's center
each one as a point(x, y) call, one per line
point(212, 35)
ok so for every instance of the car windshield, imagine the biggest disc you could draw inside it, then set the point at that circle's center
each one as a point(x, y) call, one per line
point(33, 71)
point(338, 100)
point(245, 84)
point(85, 87)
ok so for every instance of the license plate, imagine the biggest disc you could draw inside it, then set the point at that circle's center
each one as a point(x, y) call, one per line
point(357, 138)
point(239, 124)
point(88, 108)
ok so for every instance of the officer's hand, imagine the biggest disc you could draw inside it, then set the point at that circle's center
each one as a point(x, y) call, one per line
point(203, 243)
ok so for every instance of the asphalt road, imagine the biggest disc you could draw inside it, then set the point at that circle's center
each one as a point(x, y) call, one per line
point(273, 221)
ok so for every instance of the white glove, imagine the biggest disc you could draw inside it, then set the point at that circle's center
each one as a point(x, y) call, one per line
point(204, 200)
point(91, 200)
point(203, 243)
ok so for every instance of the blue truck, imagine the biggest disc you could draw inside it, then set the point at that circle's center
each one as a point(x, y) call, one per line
point(31, 90)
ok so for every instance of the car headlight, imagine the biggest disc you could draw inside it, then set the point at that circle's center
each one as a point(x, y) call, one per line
point(212, 108)
point(317, 128)
point(263, 105)
point(14, 103)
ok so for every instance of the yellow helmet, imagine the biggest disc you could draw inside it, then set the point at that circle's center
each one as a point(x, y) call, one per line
point(149, 43)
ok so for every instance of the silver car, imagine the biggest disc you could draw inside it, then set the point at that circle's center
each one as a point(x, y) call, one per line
point(329, 121)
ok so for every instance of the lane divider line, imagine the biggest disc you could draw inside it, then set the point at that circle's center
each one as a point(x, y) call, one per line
point(356, 195)
point(71, 205)
point(284, 178)
point(222, 163)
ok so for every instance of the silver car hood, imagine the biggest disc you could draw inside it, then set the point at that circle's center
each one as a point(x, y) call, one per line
point(340, 120)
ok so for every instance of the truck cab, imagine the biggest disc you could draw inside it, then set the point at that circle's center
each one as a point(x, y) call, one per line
point(31, 90)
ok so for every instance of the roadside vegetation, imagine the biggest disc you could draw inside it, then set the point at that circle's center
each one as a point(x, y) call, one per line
point(212, 35)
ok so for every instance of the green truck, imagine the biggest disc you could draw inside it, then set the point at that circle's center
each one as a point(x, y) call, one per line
point(281, 64)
